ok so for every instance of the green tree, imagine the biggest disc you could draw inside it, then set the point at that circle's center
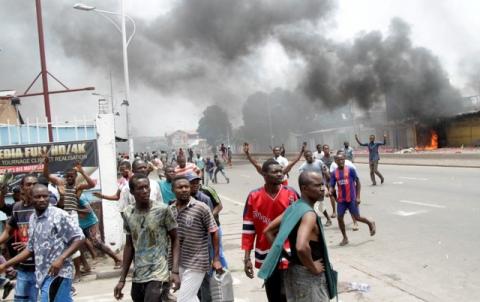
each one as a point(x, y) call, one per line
point(214, 126)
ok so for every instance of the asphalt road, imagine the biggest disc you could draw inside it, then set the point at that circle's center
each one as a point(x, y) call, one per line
point(426, 245)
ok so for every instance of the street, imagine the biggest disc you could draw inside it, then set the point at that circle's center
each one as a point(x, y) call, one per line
point(424, 249)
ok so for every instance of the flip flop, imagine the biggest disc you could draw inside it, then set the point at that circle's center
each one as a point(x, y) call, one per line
point(355, 227)
point(373, 230)
point(344, 242)
point(328, 223)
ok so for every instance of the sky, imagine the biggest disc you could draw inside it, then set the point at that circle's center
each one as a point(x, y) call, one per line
point(83, 48)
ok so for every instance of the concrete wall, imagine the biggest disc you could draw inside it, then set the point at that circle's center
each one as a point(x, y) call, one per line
point(112, 221)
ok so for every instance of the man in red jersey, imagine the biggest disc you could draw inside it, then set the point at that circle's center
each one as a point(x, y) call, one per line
point(264, 205)
point(286, 166)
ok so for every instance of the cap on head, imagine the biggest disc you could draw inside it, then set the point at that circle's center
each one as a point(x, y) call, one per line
point(192, 176)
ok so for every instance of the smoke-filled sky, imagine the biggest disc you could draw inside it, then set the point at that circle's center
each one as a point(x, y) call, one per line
point(188, 54)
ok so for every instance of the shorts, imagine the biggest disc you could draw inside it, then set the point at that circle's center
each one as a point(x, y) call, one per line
point(92, 232)
point(351, 206)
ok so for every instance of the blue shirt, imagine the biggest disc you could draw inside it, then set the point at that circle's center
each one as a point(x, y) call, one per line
point(89, 219)
point(373, 149)
point(49, 235)
point(167, 192)
point(210, 166)
point(200, 196)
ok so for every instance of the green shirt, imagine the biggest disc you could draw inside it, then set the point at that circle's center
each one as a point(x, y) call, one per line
point(149, 231)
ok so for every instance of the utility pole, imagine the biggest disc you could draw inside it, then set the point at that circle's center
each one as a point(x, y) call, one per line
point(44, 73)
point(43, 64)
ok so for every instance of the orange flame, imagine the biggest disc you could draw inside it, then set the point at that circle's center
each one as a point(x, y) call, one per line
point(433, 145)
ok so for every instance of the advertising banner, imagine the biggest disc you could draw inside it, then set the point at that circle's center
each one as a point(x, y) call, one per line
point(18, 160)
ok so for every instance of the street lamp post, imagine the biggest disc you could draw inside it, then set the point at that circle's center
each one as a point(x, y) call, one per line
point(125, 43)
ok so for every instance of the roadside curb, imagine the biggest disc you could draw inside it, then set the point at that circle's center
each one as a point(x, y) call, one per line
point(423, 165)
point(475, 166)
point(105, 274)
point(108, 274)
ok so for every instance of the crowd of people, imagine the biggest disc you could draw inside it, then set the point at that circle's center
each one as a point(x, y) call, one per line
point(284, 228)
point(209, 166)
point(171, 221)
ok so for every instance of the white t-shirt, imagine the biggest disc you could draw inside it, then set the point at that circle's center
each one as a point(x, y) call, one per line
point(348, 163)
point(126, 198)
point(282, 161)
point(317, 155)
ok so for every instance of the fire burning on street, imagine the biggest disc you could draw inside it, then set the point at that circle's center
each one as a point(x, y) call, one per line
point(431, 142)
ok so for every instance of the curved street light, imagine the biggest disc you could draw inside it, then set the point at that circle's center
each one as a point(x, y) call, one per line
point(125, 43)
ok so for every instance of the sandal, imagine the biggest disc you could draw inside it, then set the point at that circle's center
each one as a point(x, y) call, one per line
point(373, 229)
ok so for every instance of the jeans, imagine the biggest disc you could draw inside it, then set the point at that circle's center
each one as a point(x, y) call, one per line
point(221, 170)
point(210, 177)
point(56, 289)
point(223, 260)
point(25, 288)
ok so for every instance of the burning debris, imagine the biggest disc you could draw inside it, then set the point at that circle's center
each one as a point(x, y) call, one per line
point(428, 141)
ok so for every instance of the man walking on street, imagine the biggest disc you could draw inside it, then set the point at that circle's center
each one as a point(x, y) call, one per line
point(166, 185)
point(184, 168)
point(17, 226)
point(373, 156)
point(348, 151)
point(195, 225)
point(348, 195)
point(315, 165)
point(229, 155)
point(219, 167)
point(201, 166)
point(327, 160)
point(125, 169)
point(139, 167)
point(318, 154)
point(148, 227)
point(209, 168)
point(306, 277)
point(263, 206)
point(282, 161)
point(53, 238)
point(88, 222)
